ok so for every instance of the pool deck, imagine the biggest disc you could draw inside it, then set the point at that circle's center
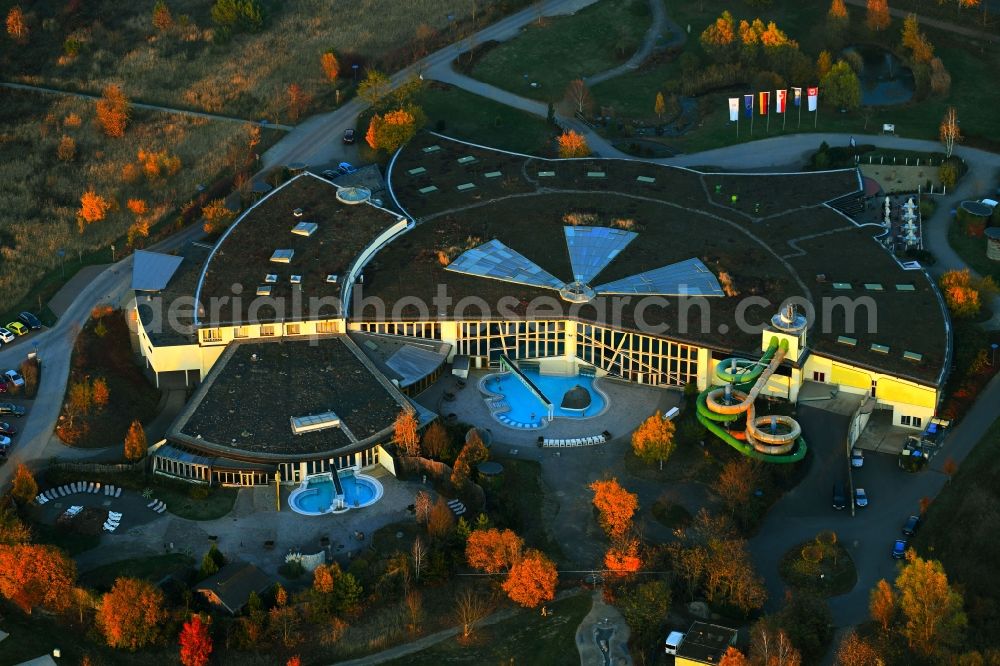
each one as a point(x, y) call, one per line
point(629, 405)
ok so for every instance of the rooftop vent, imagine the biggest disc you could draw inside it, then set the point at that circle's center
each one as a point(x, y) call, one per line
point(844, 340)
point(842, 285)
point(913, 356)
point(873, 286)
point(331, 278)
point(882, 349)
point(305, 228)
point(270, 278)
point(264, 290)
point(314, 422)
point(296, 279)
point(298, 212)
point(282, 256)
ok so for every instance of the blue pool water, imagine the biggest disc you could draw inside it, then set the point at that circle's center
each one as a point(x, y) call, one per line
point(318, 501)
point(523, 403)
point(356, 492)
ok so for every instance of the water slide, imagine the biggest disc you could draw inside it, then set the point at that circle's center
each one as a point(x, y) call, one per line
point(776, 439)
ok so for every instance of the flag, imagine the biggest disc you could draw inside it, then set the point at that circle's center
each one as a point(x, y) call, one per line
point(765, 102)
point(734, 109)
point(748, 105)
point(811, 95)
point(779, 100)
point(797, 94)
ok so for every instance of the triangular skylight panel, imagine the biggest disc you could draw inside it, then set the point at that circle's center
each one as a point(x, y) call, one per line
point(685, 278)
point(593, 248)
point(495, 260)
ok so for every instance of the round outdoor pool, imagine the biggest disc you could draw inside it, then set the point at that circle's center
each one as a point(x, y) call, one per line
point(319, 494)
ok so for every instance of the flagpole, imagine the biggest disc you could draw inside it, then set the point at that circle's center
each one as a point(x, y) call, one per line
point(816, 113)
point(800, 112)
point(784, 113)
point(737, 122)
point(768, 128)
point(752, 114)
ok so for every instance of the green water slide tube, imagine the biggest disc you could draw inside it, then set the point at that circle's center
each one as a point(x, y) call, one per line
point(743, 377)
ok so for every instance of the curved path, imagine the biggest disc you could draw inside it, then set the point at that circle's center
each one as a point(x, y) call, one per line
point(660, 22)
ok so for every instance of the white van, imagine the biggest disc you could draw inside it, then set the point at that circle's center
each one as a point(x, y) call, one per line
point(673, 642)
point(992, 203)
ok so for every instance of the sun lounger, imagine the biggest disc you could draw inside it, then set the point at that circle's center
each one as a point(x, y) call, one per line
point(163, 507)
point(118, 492)
point(114, 515)
point(97, 487)
point(90, 488)
point(150, 505)
point(109, 527)
point(62, 491)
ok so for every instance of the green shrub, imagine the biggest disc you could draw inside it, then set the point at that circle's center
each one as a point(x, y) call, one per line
point(239, 15)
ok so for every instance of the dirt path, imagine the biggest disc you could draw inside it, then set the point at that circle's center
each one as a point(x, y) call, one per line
point(140, 105)
point(660, 22)
point(935, 23)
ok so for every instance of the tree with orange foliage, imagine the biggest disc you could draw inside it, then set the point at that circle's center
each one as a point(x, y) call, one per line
point(294, 661)
point(654, 439)
point(877, 16)
point(24, 488)
point(435, 442)
point(131, 614)
point(112, 111)
point(17, 26)
point(34, 575)
point(405, 433)
point(195, 642)
point(473, 453)
point(718, 38)
point(93, 208)
point(882, 605)
point(837, 15)
point(331, 67)
point(493, 550)
point(932, 610)
point(99, 392)
point(532, 580)
point(323, 580)
point(856, 651)
point(215, 216)
point(298, 102)
point(137, 206)
point(66, 150)
point(623, 559)
point(392, 130)
point(441, 520)
point(736, 483)
point(135, 441)
point(616, 506)
point(162, 18)
point(964, 294)
point(572, 144)
point(734, 657)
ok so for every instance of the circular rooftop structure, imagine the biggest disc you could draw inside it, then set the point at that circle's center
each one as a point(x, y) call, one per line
point(977, 208)
point(490, 468)
point(789, 320)
point(353, 195)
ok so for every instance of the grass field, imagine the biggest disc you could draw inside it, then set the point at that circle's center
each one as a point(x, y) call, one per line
point(525, 638)
point(972, 250)
point(247, 76)
point(970, 63)
point(153, 569)
point(519, 498)
point(961, 525)
point(564, 48)
point(833, 575)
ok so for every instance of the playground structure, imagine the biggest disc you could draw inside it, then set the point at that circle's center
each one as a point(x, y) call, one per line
point(776, 439)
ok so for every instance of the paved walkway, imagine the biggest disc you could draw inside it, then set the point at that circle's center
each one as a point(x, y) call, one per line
point(140, 105)
point(660, 24)
point(69, 291)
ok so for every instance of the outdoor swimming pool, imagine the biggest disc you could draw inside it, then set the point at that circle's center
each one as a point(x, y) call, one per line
point(317, 494)
point(524, 407)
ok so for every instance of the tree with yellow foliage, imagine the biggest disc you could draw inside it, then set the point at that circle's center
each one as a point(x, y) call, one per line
point(877, 15)
point(112, 111)
point(654, 439)
point(17, 26)
point(931, 608)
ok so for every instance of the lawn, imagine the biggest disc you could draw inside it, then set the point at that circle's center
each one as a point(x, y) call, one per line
point(972, 250)
point(968, 62)
point(517, 498)
point(465, 116)
point(103, 351)
point(153, 569)
point(564, 48)
point(526, 638)
point(961, 525)
point(72, 542)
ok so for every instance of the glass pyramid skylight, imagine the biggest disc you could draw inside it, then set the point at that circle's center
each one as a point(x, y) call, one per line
point(591, 250)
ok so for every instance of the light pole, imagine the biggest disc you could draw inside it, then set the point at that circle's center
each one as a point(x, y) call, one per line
point(355, 68)
point(112, 253)
point(61, 252)
point(993, 357)
point(277, 488)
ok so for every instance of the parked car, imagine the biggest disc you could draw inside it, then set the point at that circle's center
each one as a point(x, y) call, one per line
point(349, 136)
point(330, 174)
point(5, 444)
point(673, 642)
point(3, 384)
point(346, 168)
point(29, 320)
point(911, 525)
point(14, 378)
point(5, 335)
point(857, 458)
point(860, 497)
point(899, 549)
point(7, 429)
point(12, 409)
point(17, 328)
point(839, 499)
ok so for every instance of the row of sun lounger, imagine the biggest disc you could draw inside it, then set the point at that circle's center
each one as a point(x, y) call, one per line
point(456, 507)
point(579, 441)
point(157, 506)
point(90, 487)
